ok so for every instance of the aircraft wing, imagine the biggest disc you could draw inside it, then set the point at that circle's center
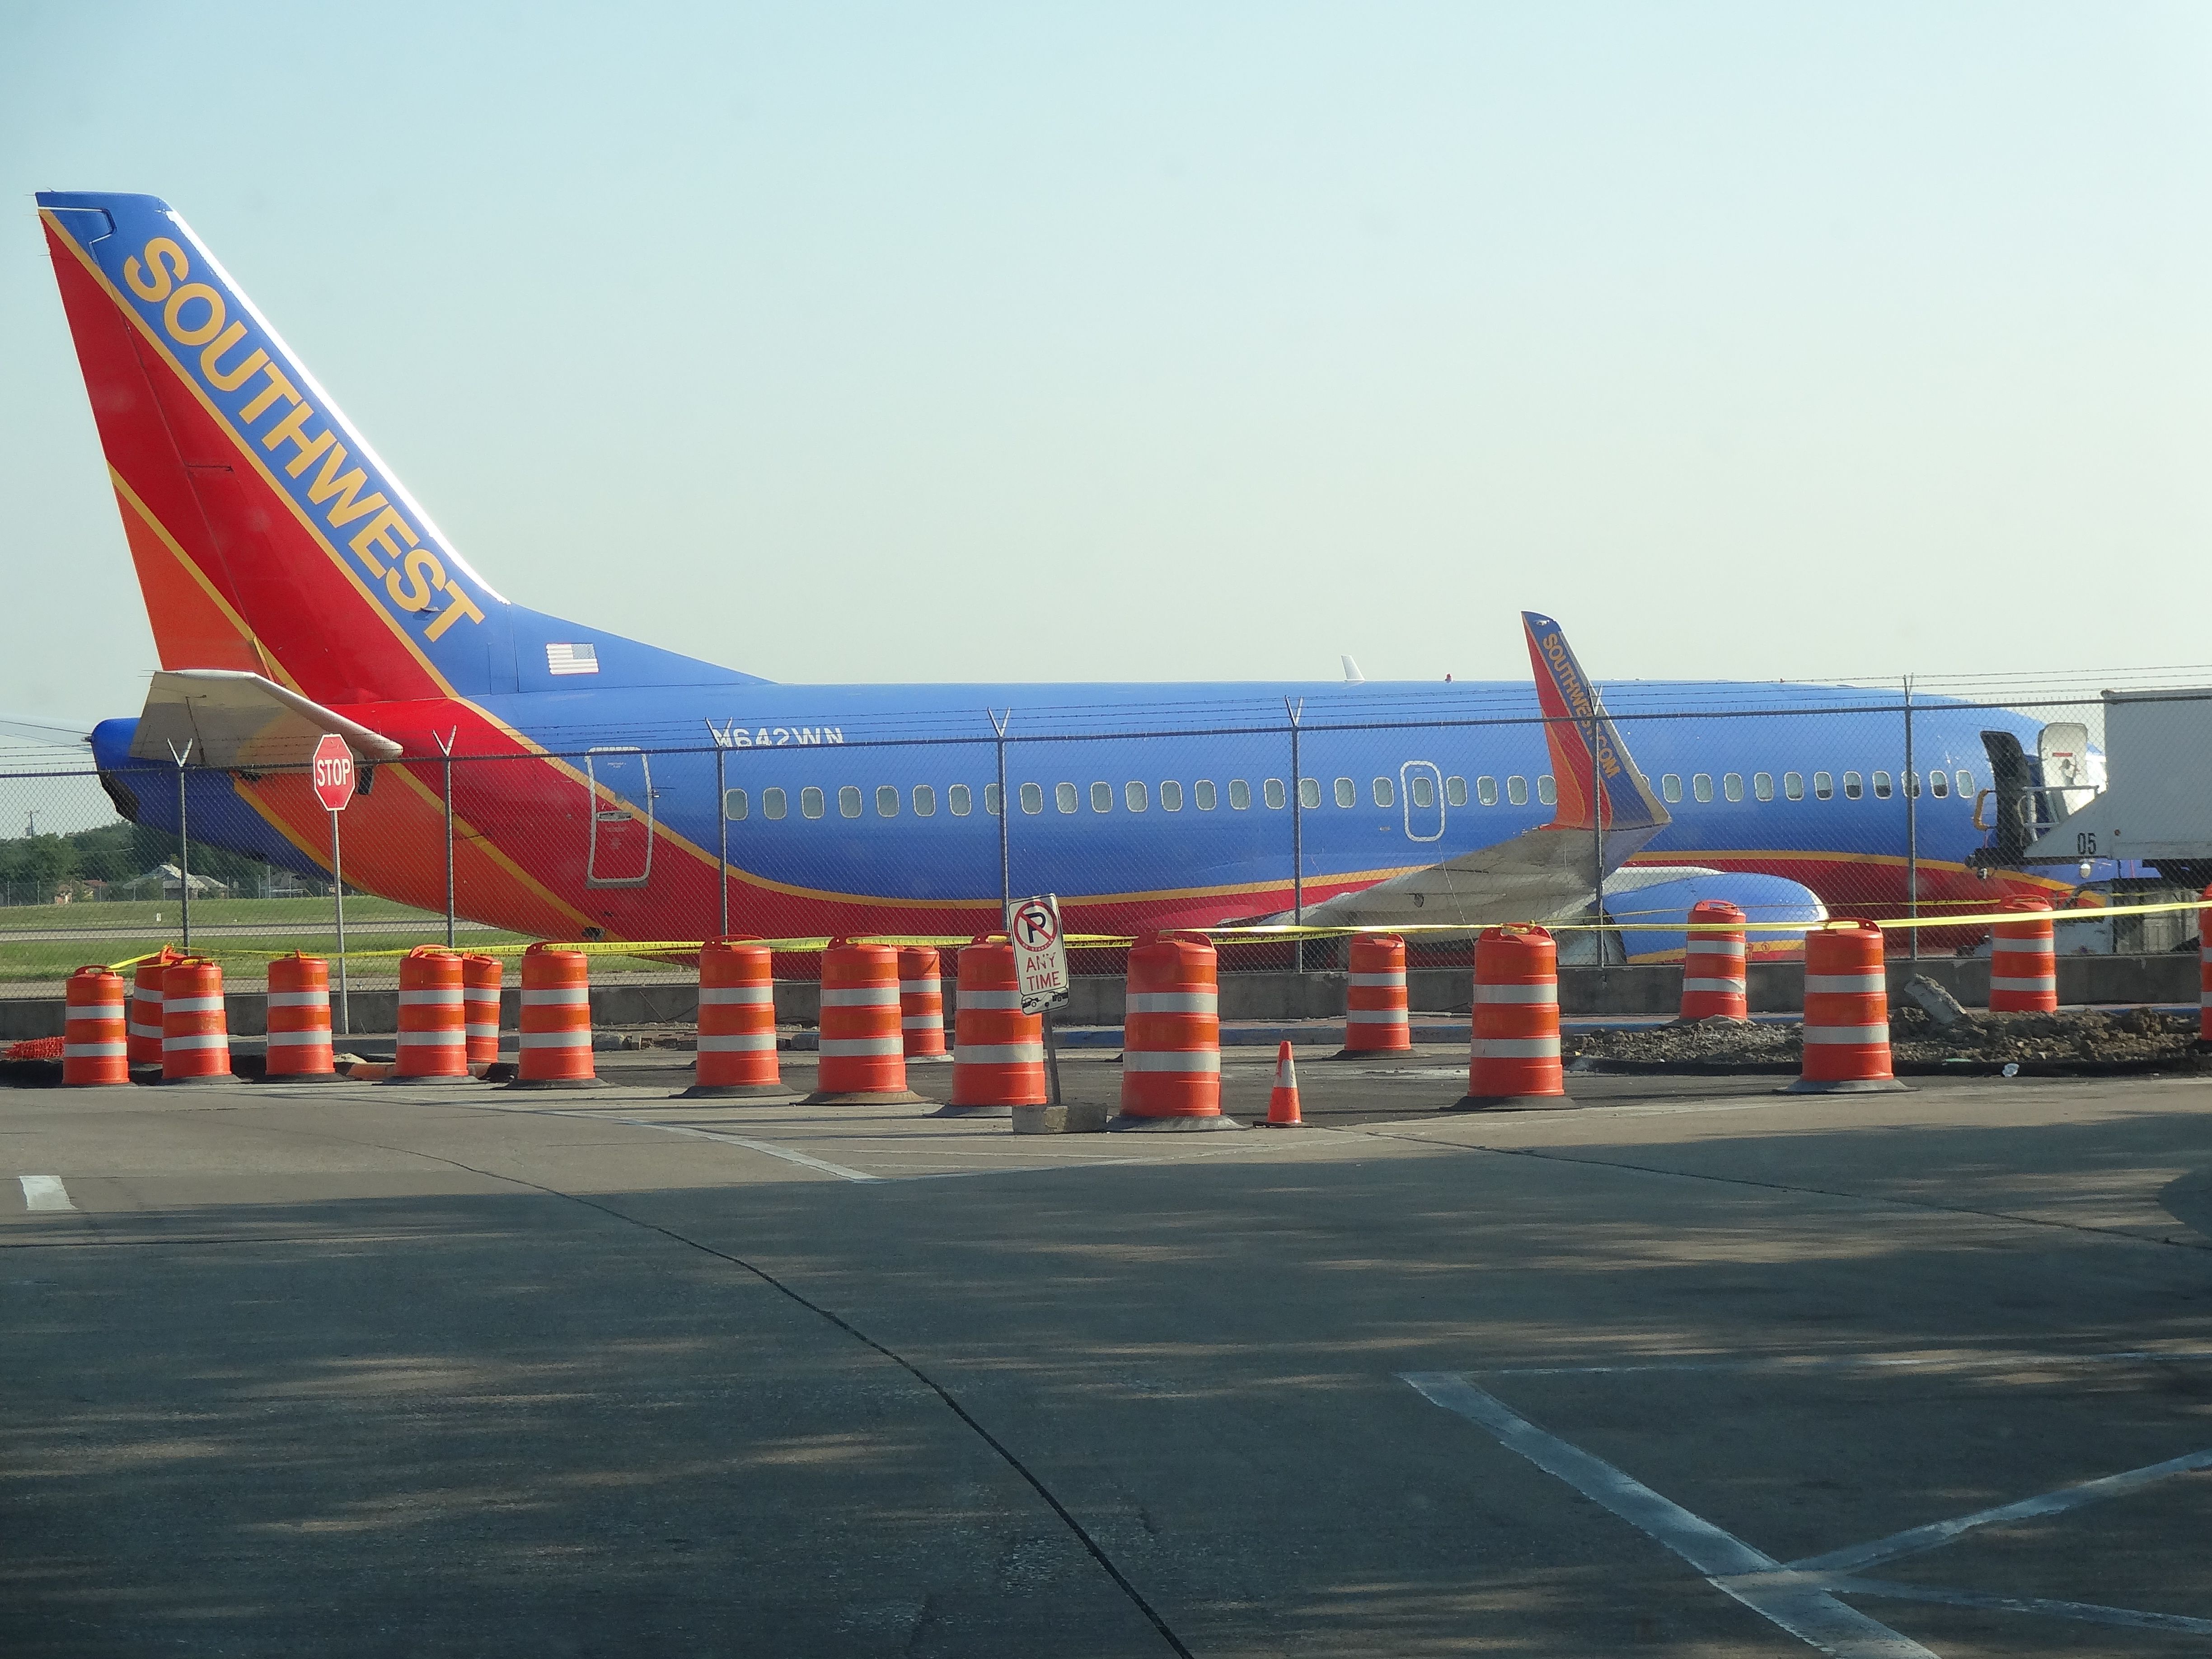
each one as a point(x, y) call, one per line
point(1607, 812)
point(234, 719)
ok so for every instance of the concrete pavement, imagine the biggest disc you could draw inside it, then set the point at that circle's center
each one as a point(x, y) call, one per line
point(353, 1369)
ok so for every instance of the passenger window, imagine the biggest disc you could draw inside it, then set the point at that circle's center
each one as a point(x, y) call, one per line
point(1386, 793)
point(1102, 797)
point(961, 801)
point(1347, 793)
point(1546, 791)
point(925, 801)
point(886, 801)
point(1135, 797)
point(772, 802)
point(1308, 793)
point(1853, 785)
point(1670, 788)
point(1202, 795)
point(1454, 791)
point(1793, 785)
point(1966, 782)
point(1170, 796)
point(992, 803)
point(1516, 790)
point(1881, 786)
point(1423, 788)
point(1911, 781)
point(734, 805)
point(809, 801)
point(1485, 791)
point(1032, 798)
point(1277, 798)
point(1240, 795)
point(1823, 786)
point(1938, 784)
point(848, 802)
point(1762, 785)
point(1732, 786)
point(1064, 796)
point(1701, 786)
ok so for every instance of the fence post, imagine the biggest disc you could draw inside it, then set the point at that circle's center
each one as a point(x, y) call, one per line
point(998, 725)
point(722, 737)
point(445, 750)
point(1911, 829)
point(183, 843)
point(1298, 839)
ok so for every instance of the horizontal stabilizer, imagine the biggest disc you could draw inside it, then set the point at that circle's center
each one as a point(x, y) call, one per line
point(234, 718)
point(1536, 874)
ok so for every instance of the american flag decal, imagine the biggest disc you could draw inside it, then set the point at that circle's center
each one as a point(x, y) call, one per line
point(572, 660)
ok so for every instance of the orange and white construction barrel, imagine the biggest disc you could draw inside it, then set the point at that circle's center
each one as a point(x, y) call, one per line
point(555, 1046)
point(1713, 963)
point(195, 1030)
point(144, 1035)
point(1376, 1016)
point(1513, 1055)
point(480, 986)
point(300, 1020)
point(1846, 1012)
point(998, 1051)
point(1171, 1037)
point(433, 1034)
point(737, 1024)
point(95, 1051)
point(2024, 960)
point(863, 1052)
point(921, 1003)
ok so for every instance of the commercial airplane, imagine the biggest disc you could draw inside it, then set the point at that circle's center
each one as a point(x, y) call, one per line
point(295, 588)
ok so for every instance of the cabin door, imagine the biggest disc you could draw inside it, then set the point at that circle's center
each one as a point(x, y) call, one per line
point(621, 852)
point(1423, 788)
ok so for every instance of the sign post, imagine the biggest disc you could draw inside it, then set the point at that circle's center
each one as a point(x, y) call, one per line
point(332, 775)
point(1040, 967)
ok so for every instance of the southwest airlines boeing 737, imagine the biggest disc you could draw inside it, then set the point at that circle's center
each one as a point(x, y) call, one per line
point(296, 589)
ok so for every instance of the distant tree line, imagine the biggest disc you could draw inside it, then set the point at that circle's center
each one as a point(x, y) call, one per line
point(34, 868)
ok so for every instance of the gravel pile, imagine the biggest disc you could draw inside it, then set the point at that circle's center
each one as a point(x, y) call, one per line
point(2131, 1036)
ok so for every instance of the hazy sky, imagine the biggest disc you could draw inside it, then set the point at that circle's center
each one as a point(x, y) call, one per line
point(959, 342)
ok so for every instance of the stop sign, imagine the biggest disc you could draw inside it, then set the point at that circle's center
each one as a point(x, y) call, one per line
point(333, 772)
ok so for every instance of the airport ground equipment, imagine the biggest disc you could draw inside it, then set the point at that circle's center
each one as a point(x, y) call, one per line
point(2156, 806)
point(737, 1024)
point(434, 1036)
point(1283, 1099)
point(1846, 1012)
point(1171, 1033)
point(921, 1003)
point(480, 984)
point(998, 1051)
point(1713, 963)
point(555, 1041)
point(95, 1052)
point(863, 1056)
point(1513, 1055)
point(2023, 960)
point(195, 1031)
point(2204, 974)
point(145, 1033)
point(300, 1019)
point(1376, 1017)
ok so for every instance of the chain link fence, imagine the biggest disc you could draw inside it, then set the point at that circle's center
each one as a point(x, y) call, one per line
point(1881, 803)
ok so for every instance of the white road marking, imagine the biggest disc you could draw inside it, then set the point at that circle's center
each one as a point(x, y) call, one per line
point(769, 1147)
point(2089, 1613)
point(44, 1192)
point(1795, 1602)
point(1917, 1540)
point(1789, 1362)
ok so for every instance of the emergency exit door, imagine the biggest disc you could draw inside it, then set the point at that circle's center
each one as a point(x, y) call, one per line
point(621, 851)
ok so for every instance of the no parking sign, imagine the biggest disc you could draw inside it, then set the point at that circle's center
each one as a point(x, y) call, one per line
point(1039, 953)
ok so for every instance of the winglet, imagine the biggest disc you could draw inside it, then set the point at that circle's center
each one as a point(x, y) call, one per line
point(1576, 725)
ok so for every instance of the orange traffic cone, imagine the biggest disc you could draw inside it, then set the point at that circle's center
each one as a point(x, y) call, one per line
point(1283, 1099)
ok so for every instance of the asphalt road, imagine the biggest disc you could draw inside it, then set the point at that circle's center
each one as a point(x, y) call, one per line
point(363, 1369)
